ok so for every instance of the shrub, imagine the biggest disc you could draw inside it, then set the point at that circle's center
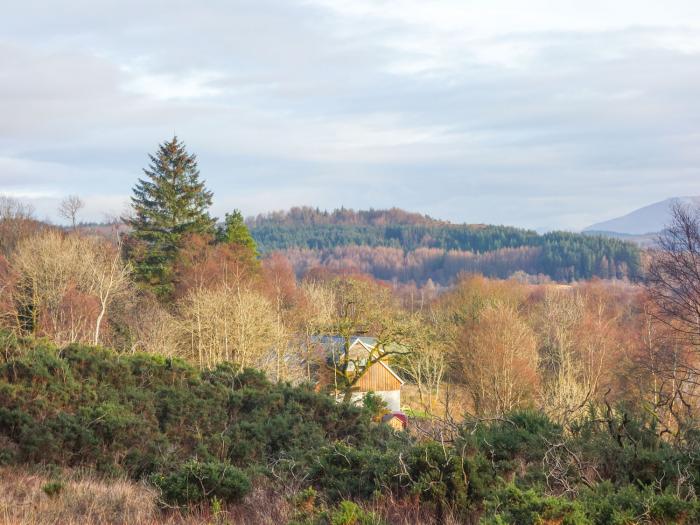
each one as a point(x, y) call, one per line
point(345, 513)
point(195, 482)
point(148, 417)
point(53, 488)
point(344, 471)
point(513, 505)
point(438, 476)
point(349, 513)
point(606, 504)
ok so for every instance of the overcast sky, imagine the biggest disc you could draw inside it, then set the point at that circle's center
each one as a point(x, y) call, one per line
point(534, 113)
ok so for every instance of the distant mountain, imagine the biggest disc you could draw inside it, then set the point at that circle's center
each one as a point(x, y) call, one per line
point(647, 220)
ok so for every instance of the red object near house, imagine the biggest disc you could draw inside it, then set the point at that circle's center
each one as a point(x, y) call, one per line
point(397, 420)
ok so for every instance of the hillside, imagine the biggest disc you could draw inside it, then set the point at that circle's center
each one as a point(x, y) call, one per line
point(398, 245)
point(646, 220)
point(91, 436)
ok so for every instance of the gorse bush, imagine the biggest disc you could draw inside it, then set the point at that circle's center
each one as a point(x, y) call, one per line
point(195, 482)
point(527, 507)
point(142, 415)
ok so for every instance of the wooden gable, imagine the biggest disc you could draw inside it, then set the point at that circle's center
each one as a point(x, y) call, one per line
point(379, 378)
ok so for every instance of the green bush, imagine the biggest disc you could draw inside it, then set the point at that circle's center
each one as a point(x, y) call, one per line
point(53, 488)
point(349, 513)
point(608, 505)
point(513, 505)
point(142, 414)
point(438, 475)
point(345, 472)
point(345, 513)
point(195, 482)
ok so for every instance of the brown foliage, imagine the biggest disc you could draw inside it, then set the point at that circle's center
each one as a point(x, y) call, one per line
point(203, 264)
point(65, 284)
point(17, 222)
point(80, 500)
point(499, 361)
point(441, 266)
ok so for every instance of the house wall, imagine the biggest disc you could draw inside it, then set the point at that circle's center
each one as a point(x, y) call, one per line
point(378, 379)
point(392, 398)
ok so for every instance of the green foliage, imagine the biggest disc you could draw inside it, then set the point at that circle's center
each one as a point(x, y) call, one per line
point(374, 404)
point(527, 507)
point(146, 415)
point(235, 231)
point(344, 513)
point(438, 476)
point(607, 505)
point(170, 202)
point(345, 471)
point(519, 439)
point(348, 513)
point(195, 482)
point(53, 488)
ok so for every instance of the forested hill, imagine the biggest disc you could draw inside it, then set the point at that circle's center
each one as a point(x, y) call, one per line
point(395, 244)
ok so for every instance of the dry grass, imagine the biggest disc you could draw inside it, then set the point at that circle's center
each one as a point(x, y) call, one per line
point(85, 499)
point(81, 500)
point(453, 398)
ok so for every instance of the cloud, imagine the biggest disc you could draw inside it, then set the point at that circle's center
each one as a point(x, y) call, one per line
point(554, 115)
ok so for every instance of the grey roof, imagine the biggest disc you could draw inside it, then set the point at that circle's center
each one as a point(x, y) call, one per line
point(336, 342)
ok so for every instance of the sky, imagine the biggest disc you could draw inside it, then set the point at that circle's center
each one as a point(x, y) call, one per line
point(534, 113)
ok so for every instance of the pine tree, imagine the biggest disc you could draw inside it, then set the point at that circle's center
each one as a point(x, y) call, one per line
point(235, 231)
point(169, 202)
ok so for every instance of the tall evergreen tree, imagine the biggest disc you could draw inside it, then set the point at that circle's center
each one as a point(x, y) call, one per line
point(235, 231)
point(169, 202)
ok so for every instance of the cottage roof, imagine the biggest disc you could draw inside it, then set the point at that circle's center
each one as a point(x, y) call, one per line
point(334, 346)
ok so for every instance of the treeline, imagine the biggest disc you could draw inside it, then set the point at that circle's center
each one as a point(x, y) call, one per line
point(307, 216)
point(559, 255)
point(421, 266)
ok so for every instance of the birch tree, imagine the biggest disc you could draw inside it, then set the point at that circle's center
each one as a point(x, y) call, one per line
point(499, 361)
point(65, 285)
point(109, 279)
point(229, 324)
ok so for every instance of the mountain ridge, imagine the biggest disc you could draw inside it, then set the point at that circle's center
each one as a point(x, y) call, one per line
point(647, 220)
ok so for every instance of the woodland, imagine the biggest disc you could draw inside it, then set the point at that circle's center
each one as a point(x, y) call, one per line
point(412, 248)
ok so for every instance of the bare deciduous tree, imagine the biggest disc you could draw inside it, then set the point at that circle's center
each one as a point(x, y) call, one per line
point(314, 315)
point(499, 361)
point(13, 209)
point(560, 314)
point(48, 267)
point(364, 307)
point(229, 324)
point(427, 364)
point(17, 222)
point(673, 277)
point(69, 208)
point(108, 279)
point(65, 285)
